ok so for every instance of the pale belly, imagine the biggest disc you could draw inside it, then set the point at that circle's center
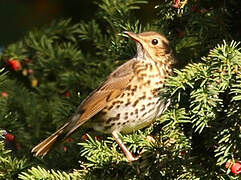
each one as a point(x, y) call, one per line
point(128, 118)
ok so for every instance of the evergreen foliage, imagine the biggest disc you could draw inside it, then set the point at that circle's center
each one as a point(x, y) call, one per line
point(10, 166)
point(63, 62)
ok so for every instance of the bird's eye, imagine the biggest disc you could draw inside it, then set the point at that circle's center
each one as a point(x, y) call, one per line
point(154, 41)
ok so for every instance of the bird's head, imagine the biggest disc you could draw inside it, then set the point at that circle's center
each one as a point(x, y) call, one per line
point(151, 45)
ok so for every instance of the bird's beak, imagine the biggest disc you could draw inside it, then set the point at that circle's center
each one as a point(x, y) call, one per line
point(134, 36)
point(139, 44)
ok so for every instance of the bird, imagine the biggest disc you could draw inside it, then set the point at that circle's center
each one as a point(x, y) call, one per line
point(128, 100)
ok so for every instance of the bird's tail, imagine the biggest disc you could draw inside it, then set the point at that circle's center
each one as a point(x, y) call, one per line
point(65, 131)
point(45, 146)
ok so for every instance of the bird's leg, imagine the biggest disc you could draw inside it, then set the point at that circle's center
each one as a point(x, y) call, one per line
point(128, 154)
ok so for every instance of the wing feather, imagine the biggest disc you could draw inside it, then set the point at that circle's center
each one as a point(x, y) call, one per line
point(111, 88)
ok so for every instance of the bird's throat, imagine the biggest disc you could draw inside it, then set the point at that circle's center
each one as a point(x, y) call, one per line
point(140, 51)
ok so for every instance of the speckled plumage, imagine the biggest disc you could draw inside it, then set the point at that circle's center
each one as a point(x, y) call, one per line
point(128, 99)
point(138, 105)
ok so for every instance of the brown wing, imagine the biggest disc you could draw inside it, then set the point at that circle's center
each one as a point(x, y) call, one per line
point(114, 85)
point(111, 88)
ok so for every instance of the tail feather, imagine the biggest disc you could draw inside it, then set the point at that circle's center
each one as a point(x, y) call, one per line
point(66, 130)
point(45, 146)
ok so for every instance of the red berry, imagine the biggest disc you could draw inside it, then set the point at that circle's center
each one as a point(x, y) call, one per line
point(181, 34)
point(177, 4)
point(4, 94)
point(69, 140)
point(183, 153)
point(236, 168)
point(15, 64)
point(84, 137)
point(67, 94)
point(9, 137)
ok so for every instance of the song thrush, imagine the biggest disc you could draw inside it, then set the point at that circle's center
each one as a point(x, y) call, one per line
point(128, 100)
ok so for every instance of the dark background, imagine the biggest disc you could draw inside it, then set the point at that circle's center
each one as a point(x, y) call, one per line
point(19, 16)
